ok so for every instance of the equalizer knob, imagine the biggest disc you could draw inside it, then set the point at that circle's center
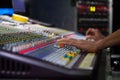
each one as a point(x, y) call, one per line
point(51, 35)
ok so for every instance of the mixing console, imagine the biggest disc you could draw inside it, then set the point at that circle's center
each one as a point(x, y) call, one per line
point(40, 43)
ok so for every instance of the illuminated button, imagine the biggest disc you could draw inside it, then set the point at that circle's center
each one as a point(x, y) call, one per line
point(92, 8)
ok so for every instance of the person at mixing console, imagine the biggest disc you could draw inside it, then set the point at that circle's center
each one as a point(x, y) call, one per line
point(100, 42)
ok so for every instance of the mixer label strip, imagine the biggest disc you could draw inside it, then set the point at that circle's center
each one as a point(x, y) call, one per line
point(87, 61)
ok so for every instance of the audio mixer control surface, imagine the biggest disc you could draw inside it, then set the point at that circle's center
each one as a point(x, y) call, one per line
point(32, 50)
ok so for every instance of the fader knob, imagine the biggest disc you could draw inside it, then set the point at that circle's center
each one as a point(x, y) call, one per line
point(61, 45)
point(71, 54)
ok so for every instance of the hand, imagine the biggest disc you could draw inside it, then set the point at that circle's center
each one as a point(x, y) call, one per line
point(95, 34)
point(84, 45)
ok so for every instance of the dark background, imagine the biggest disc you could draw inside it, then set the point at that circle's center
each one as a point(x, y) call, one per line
point(116, 22)
point(61, 13)
point(5, 3)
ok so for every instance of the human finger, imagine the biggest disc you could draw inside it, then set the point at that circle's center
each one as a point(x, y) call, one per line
point(69, 41)
point(90, 31)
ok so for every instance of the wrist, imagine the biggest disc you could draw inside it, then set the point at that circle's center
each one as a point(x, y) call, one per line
point(100, 44)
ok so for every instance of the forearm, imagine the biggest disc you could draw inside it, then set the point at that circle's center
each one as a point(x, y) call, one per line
point(111, 40)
